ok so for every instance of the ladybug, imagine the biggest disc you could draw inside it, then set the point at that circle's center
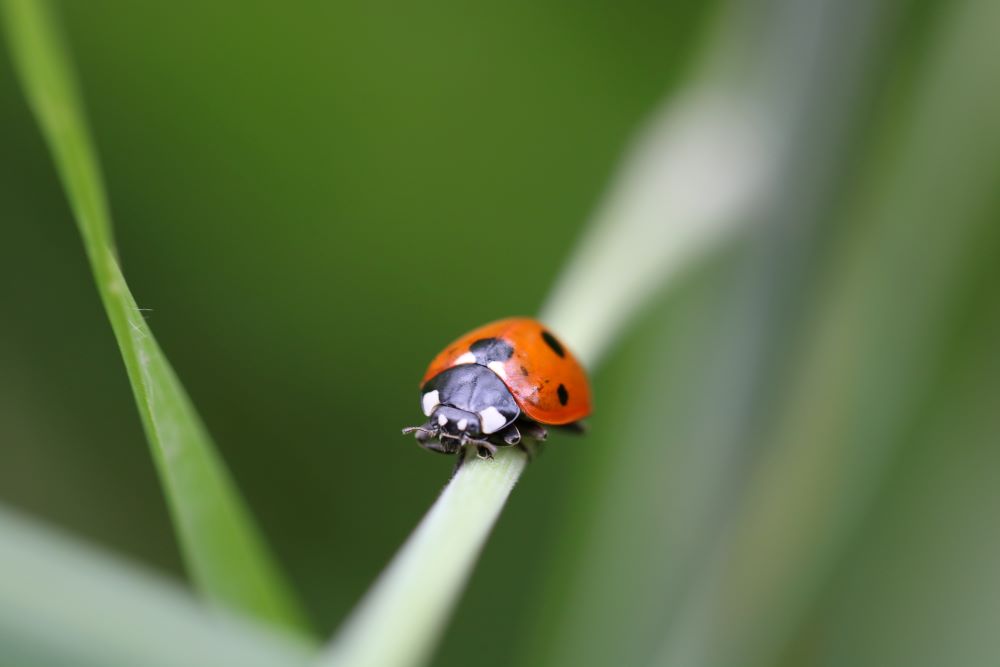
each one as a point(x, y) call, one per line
point(499, 385)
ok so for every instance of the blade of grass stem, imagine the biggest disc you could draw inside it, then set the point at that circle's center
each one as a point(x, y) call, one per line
point(401, 618)
point(651, 524)
point(919, 586)
point(641, 493)
point(869, 363)
point(224, 553)
point(63, 602)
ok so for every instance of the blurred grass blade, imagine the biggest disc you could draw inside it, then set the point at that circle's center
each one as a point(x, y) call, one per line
point(65, 603)
point(223, 551)
point(876, 349)
point(921, 587)
point(651, 493)
point(656, 223)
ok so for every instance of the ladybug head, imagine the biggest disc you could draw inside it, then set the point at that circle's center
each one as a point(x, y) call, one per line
point(447, 429)
point(466, 404)
point(454, 423)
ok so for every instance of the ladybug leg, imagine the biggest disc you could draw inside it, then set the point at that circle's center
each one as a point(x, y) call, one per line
point(459, 460)
point(510, 435)
point(423, 432)
point(534, 435)
point(534, 431)
point(484, 448)
point(430, 438)
point(436, 446)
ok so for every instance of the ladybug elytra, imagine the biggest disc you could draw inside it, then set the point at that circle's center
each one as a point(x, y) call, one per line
point(499, 385)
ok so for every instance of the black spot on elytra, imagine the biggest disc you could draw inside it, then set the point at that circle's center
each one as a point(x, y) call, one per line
point(524, 371)
point(488, 350)
point(563, 394)
point(551, 341)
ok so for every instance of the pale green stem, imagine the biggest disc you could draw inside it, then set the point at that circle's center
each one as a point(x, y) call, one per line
point(401, 618)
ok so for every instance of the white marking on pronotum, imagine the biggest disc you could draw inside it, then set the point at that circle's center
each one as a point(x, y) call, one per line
point(430, 401)
point(467, 358)
point(462, 423)
point(492, 420)
point(497, 367)
point(442, 420)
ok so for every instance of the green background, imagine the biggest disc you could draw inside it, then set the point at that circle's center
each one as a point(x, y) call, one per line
point(312, 199)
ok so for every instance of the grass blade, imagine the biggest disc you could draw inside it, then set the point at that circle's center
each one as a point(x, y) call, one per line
point(221, 546)
point(633, 535)
point(869, 363)
point(413, 597)
point(924, 592)
point(65, 603)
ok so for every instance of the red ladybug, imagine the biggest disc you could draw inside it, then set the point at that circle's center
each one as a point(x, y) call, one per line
point(498, 384)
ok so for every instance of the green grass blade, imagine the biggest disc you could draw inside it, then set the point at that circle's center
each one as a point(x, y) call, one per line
point(633, 534)
point(399, 621)
point(919, 586)
point(226, 556)
point(63, 602)
point(871, 361)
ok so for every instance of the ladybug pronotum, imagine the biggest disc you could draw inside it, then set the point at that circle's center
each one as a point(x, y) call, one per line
point(499, 385)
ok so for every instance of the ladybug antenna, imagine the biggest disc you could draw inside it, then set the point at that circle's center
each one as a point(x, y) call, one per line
point(420, 429)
